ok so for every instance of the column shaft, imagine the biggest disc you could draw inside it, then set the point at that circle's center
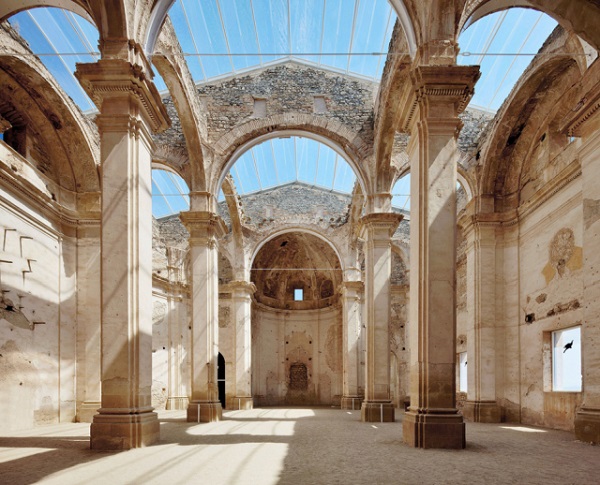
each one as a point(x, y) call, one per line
point(481, 405)
point(205, 228)
point(377, 230)
point(352, 292)
point(242, 292)
point(440, 93)
point(130, 107)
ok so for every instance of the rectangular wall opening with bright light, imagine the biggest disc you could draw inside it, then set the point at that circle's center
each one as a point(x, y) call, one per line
point(298, 294)
point(462, 372)
point(566, 360)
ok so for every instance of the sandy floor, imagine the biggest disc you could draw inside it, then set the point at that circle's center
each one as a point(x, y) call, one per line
point(297, 446)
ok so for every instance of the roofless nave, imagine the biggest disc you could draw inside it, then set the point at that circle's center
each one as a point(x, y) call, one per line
point(484, 310)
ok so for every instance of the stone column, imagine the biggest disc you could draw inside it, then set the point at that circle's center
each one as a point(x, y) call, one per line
point(177, 398)
point(481, 405)
point(241, 295)
point(377, 230)
point(89, 311)
point(587, 419)
point(440, 93)
point(352, 292)
point(130, 107)
point(205, 228)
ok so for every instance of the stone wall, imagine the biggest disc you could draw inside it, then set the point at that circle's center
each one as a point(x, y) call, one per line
point(38, 308)
point(290, 87)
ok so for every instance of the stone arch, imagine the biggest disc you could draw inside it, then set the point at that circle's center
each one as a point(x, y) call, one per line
point(508, 131)
point(578, 16)
point(108, 16)
point(160, 8)
point(172, 67)
point(348, 144)
point(70, 139)
point(12, 7)
point(260, 244)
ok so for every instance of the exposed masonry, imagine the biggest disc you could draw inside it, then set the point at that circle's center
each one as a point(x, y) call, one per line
point(293, 87)
point(295, 202)
point(290, 87)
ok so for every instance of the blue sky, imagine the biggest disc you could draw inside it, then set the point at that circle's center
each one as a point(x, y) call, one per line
point(221, 37)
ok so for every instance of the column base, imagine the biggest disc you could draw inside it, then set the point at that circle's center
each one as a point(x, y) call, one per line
point(422, 430)
point(241, 402)
point(377, 412)
point(123, 431)
point(177, 402)
point(352, 403)
point(482, 412)
point(587, 425)
point(204, 412)
point(87, 410)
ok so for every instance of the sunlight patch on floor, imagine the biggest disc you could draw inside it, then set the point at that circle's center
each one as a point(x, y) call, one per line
point(524, 429)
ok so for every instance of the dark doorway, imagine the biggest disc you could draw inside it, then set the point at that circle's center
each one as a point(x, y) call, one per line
point(221, 379)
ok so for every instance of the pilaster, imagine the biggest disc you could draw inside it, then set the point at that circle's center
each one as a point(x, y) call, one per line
point(205, 229)
point(440, 93)
point(377, 230)
point(587, 419)
point(352, 293)
point(130, 108)
point(241, 295)
point(481, 405)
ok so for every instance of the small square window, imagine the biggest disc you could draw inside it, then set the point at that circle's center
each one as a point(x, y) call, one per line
point(462, 372)
point(566, 360)
point(298, 294)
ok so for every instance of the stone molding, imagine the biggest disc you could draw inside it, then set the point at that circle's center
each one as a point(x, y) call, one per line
point(111, 78)
point(440, 84)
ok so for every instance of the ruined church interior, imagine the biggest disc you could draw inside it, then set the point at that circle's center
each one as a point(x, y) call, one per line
point(299, 241)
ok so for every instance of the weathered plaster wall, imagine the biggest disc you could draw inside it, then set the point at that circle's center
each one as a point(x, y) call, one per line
point(550, 297)
point(297, 356)
point(37, 318)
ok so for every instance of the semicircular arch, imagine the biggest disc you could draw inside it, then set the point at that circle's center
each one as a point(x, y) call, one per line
point(336, 136)
point(576, 16)
point(294, 229)
point(516, 112)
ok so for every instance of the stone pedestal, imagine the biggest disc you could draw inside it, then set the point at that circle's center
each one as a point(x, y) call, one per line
point(351, 301)
point(351, 403)
point(377, 230)
point(87, 410)
point(241, 402)
point(440, 93)
point(432, 430)
point(130, 108)
point(241, 295)
point(177, 402)
point(205, 228)
point(373, 411)
point(482, 411)
point(481, 403)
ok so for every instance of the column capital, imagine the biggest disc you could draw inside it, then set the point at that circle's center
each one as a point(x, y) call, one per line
point(241, 288)
point(203, 225)
point(447, 87)
point(357, 286)
point(380, 225)
point(115, 79)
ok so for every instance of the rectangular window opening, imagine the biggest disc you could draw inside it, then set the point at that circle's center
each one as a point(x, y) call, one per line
point(298, 294)
point(566, 360)
point(462, 372)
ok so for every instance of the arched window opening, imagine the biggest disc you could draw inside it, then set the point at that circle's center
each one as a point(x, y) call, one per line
point(503, 44)
point(170, 193)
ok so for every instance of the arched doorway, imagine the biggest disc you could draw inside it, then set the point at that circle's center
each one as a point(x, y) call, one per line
point(221, 378)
